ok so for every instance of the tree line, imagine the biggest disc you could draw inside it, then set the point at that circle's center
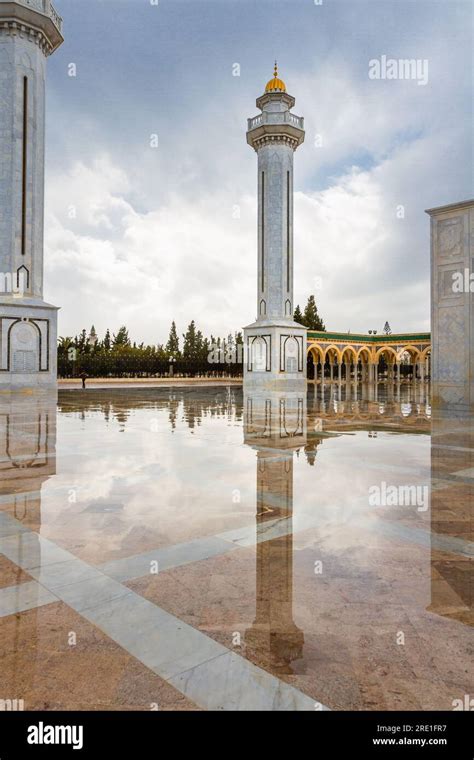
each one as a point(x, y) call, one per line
point(115, 355)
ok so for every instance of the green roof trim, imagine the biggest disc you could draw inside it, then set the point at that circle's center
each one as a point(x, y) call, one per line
point(407, 338)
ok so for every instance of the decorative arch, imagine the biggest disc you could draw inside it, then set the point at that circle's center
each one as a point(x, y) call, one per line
point(412, 350)
point(23, 273)
point(336, 350)
point(360, 353)
point(350, 350)
point(316, 351)
point(24, 347)
point(291, 354)
point(259, 355)
point(386, 349)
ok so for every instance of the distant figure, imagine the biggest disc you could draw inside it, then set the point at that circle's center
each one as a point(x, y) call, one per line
point(83, 377)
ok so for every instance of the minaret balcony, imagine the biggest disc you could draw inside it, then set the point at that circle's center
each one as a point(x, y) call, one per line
point(279, 124)
point(39, 15)
point(276, 118)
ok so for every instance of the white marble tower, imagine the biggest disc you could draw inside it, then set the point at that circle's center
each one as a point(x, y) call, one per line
point(30, 30)
point(275, 343)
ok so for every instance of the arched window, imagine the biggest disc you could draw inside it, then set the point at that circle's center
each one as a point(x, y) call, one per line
point(291, 355)
point(24, 347)
point(259, 355)
point(22, 279)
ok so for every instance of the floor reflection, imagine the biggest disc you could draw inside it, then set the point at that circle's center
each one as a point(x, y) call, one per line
point(275, 427)
point(27, 453)
point(452, 518)
point(138, 477)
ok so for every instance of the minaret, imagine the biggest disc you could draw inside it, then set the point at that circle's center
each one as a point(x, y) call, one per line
point(30, 30)
point(275, 344)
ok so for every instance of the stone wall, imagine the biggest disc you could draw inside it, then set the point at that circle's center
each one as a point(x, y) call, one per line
point(452, 316)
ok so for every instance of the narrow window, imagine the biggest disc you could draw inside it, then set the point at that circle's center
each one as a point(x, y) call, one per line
point(263, 231)
point(288, 231)
point(25, 165)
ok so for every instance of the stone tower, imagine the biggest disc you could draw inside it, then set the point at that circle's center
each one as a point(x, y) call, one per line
point(30, 30)
point(275, 344)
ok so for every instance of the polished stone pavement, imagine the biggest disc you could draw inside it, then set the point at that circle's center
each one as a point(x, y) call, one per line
point(231, 571)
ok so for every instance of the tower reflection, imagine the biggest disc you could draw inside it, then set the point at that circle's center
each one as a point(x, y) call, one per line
point(27, 453)
point(452, 504)
point(275, 426)
point(27, 460)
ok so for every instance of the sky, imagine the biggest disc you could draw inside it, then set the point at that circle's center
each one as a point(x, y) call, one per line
point(151, 187)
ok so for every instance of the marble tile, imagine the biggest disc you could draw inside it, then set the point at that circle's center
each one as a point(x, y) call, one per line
point(40, 665)
point(168, 557)
point(66, 573)
point(24, 596)
point(161, 641)
point(230, 683)
point(28, 549)
point(10, 526)
point(91, 593)
point(11, 574)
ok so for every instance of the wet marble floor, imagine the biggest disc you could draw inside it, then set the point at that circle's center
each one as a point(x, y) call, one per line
point(202, 548)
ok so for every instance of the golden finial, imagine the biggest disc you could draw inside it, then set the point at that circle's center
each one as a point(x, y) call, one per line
point(275, 84)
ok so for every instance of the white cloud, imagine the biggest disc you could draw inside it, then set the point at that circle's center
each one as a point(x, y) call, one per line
point(154, 238)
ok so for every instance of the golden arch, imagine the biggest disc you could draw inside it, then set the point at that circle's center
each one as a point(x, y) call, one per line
point(351, 350)
point(362, 350)
point(412, 350)
point(336, 350)
point(384, 349)
point(317, 352)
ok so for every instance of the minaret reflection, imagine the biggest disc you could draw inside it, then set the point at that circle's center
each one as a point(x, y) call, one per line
point(452, 505)
point(27, 460)
point(27, 453)
point(275, 426)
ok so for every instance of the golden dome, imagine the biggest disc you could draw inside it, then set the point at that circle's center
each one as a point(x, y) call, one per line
point(275, 84)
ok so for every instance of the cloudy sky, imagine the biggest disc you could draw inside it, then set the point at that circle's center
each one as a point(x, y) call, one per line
point(140, 235)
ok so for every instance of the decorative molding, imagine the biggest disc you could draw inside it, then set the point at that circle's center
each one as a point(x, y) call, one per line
point(286, 140)
point(32, 321)
point(26, 31)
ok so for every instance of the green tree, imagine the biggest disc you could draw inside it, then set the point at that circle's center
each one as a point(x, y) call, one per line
point(64, 344)
point(201, 347)
point(172, 347)
point(121, 340)
point(297, 316)
point(190, 342)
point(81, 342)
point(311, 318)
point(107, 342)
